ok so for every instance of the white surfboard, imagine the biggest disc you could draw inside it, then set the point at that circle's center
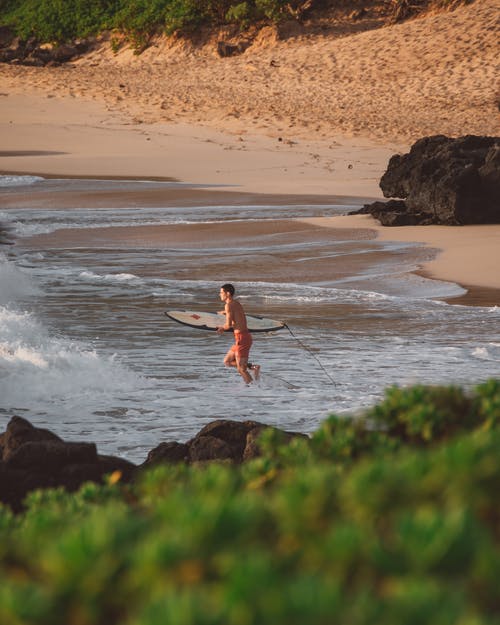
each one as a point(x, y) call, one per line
point(212, 321)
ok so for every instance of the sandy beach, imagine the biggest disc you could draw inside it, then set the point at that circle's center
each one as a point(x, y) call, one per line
point(296, 120)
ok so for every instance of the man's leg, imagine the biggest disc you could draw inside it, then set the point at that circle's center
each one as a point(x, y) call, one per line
point(230, 358)
point(241, 365)
point(255, 368)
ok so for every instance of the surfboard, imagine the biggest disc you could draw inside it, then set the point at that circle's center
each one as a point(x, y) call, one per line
point(212, 321)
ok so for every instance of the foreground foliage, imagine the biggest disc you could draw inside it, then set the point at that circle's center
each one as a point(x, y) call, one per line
point(389, 518)
point(57, 21)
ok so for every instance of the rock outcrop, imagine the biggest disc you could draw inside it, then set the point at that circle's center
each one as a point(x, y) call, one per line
point(442, 181)
point(30, 52)
point(34, 458)
point(227, 440)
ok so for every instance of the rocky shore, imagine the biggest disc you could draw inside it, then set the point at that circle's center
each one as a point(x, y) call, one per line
point(35, 458)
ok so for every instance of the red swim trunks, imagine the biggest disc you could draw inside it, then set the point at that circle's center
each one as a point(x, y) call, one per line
point(242, 344)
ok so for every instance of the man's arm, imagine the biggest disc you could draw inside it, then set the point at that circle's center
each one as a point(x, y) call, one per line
point(228, 311)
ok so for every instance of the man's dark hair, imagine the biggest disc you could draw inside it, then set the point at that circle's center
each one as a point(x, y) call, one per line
point(229, 288)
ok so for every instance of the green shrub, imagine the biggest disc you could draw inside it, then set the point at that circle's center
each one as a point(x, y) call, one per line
point(487, 400)
point(240, 13)
point(368, 531)
point(59, 20)
point(63, 20)
point(421, 414)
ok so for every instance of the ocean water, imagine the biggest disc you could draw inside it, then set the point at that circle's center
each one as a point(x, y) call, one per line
point(86, 350)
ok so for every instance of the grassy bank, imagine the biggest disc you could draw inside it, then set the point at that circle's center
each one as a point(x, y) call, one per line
point(389, 518)
point(58, 21)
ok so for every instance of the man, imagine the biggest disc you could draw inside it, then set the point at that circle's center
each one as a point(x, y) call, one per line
point(236, 319)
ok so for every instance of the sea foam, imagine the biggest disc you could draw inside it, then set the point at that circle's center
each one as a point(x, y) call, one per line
point(19, 181)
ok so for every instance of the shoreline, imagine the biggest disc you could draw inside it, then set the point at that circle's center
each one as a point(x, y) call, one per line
point(434, 252)
point(464, 255)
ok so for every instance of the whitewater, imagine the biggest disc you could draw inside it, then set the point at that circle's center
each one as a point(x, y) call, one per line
point(86, 350)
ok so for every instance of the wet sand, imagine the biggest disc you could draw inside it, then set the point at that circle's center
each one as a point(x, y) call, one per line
point(466, 255)
point(361, 250)
point(58, 194)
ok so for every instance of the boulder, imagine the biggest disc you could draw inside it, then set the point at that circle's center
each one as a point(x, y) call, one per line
point(205, 448)
point(231, 440)
point(20, 431)
point(16, 484)
point(232, 433)
point(171, 453)
point(443, 181)
point(252, 447)
point(220, 440)
point(34, 458)
point(51, 456)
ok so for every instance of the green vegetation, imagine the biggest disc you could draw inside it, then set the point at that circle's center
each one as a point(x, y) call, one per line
point(58, 21)
point(388, 518)
point(64, 20)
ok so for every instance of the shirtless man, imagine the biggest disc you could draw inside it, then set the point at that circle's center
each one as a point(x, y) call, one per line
point(236, 319)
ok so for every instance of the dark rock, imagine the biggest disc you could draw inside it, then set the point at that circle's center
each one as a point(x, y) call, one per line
point(74, 475)
point(490, 171)
point(219, 440)
point(20, 431)
point(240, 440)
point(36, 458)
point(454, 181)
point(204, 448)
point(392, 218)
point(391, 213)
point(233, 433)
point(252, 447)
point(171, 453)
point(51, 456)
point(15, 485)
point(443, 181)
point(378, 208)
point(110, 464)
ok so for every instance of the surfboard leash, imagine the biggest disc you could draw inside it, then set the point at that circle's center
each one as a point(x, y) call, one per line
point(304, 346)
